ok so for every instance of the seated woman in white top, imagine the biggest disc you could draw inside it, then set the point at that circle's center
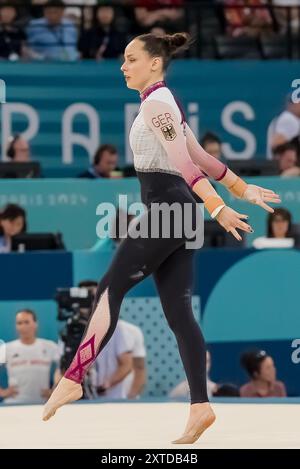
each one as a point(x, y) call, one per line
point(278, 231)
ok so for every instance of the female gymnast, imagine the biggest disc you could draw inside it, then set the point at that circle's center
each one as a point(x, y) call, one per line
point(171, 167)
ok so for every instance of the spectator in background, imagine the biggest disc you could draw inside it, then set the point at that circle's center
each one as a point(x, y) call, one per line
point(279, 228)
point(12, 222)
point(287, 160)
point(113, 365)
point(12, 37)
point(121, 372)
point(212, 145)
point(282, 15)
point(36, 8)
point(279, 223)
point(247, 21)
point(18, 150)
point(75, 13)
point(28, 363)
point(160, 13)
point(158, 31)
point(284, 128)
point(105, 162)
point(182, 389)
point(136, 379)
point(102, 41)
point(52, 37)
point(262, 372)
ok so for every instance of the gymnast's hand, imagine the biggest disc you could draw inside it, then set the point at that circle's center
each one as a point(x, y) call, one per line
point(259, 196)
point(231, 220)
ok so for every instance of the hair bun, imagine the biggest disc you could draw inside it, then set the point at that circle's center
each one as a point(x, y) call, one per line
point(177, 42)
point(165, 45)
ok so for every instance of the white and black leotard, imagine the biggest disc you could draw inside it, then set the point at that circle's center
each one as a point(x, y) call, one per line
point(165, 177)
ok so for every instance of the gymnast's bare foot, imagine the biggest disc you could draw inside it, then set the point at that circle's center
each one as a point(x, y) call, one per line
point(201, 417)
point(66, 391)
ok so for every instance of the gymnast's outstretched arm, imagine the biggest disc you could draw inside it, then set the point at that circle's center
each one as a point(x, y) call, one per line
point(208, 163)
point(221, 173)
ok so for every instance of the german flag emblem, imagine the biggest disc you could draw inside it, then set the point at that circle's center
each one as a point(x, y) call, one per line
point(168, 132)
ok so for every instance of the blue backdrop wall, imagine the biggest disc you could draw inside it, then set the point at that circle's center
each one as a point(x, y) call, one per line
point(69, 206)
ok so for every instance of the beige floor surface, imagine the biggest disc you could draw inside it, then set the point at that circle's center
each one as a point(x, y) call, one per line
point(149, 425)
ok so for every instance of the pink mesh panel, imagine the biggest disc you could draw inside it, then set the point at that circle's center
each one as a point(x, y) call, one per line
point(89, 347)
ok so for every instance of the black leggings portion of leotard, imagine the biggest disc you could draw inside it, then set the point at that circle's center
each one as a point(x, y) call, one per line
point(171, 264)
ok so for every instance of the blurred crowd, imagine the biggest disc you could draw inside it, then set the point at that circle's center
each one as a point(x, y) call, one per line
point(83, 29)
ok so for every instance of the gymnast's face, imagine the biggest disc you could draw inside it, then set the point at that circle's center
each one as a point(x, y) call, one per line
point(139, 69)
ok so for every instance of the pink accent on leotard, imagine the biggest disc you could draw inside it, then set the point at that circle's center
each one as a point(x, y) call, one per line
point(156, 86)
point(151, 88)
point(196, 180)
point(90, 345)
point(84, 356)
point(222, 175)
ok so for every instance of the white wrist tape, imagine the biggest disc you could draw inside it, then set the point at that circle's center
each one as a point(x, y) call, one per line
point(217, 211)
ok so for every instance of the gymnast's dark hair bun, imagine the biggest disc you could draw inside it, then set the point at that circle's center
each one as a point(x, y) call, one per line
point(177, 42)
point(165, 45)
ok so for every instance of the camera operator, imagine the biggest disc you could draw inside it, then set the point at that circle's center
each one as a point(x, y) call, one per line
point(74, 307)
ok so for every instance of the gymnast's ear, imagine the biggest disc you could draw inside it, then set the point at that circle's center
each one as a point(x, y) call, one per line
point(157, 64)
